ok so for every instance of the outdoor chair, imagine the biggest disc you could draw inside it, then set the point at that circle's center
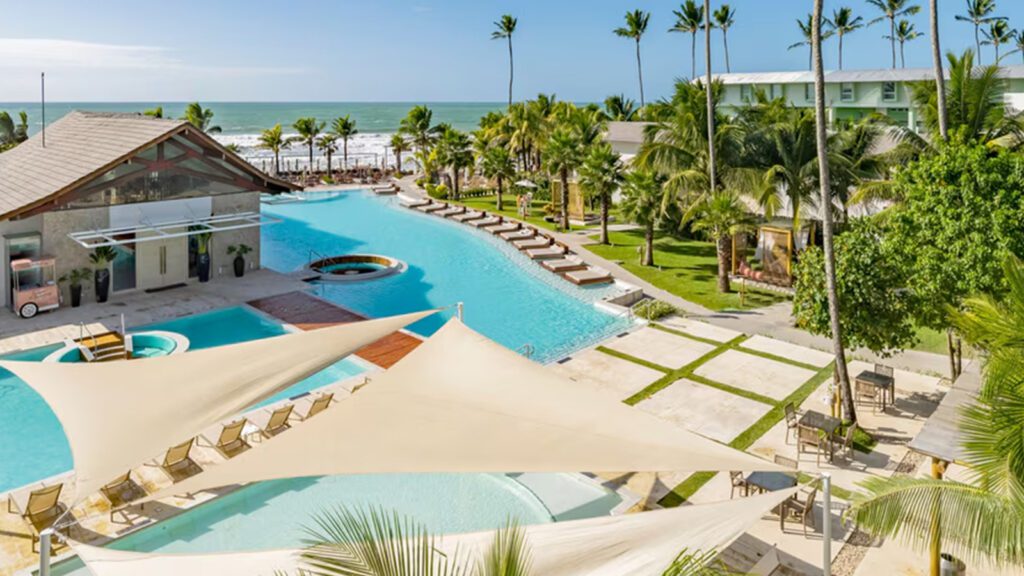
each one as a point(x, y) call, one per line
point(120, 493)
point(802, 510)
point(812, 437)
point(318, 405)
point(846, 442)
point(40, 510)
point(230, 441)
point(888, 373)
point(178, 461)
point(278, 421)
point(792, 420)
point(866, 391)
point(738, 480)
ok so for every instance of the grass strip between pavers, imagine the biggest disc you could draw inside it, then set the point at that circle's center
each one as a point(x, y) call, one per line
point(664, 328)
point(684, 372)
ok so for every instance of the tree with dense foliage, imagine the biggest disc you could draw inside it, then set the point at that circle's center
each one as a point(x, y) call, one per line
point(841, 23)
point(905, 32)
point(503, 30)
point(689, 19)
point(891, 10)
point(721, 216)
point(805, 32)
point(418, 126)
point(454, 151)
point(979, 12)
point(563, 153)
point(12, 134)
point(601, 175)
point(997, 34)
point(328, 143)
point(344, 128)
point(959, 219)
point(307, 130)
point(641, 203)
point(982, 519)
point(201, 118)
point(618, 108)
point(398, 146)
point(725, 17)
point(497, 164)
point(157, 112)
point(273, 139)
point(635, 28)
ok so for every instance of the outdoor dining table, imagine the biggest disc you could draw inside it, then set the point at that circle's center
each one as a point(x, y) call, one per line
point(883, 383)
point(824, 423)
point(771, 481)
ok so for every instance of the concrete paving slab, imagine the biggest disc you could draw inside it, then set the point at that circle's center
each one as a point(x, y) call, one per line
point(704, 410)
point(660, 347)
point(788, 351)
point(698, 328)
point(602, 370)
point(755, 373)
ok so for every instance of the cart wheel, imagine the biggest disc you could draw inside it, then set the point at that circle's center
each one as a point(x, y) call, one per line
point(28, 310)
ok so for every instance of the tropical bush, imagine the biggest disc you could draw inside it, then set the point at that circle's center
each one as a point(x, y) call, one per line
point(651, 309)
point(436, 191)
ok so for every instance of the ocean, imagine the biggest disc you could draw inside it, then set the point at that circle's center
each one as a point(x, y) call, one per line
point(241, 123)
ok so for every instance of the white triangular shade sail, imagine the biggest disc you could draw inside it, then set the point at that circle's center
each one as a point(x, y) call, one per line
point(641, 544)
point(117, 415)
point(462, 403)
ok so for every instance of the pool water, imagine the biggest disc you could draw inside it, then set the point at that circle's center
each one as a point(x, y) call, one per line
point(33, 445)
point(507, 297)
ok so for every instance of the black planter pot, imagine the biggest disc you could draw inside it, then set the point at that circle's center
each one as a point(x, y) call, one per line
point(76, 295)
point(239, 266)
point(203, 267)
point(102, 284)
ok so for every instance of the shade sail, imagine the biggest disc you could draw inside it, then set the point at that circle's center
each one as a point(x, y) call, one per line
point(462, 403)
point(639, 544)
point(117, 415)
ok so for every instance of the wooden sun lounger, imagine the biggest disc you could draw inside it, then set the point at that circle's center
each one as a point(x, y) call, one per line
point(416, 203)
point(552, 252)
point(533, 243)
point(451, 211)
point(273, 423)
point(589, 276)
point(469, 216)
point(433, 207)
point(177, 462)
point(485, 222)
point(121, 492)
point(386, 191)
point(563, 265)
point(521, 234)
point(506, 227)
point(230, 442)
point(319, 405)
point(40, 508)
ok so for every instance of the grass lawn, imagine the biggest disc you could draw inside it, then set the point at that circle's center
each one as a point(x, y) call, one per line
point(488, 203)
point(686, 268)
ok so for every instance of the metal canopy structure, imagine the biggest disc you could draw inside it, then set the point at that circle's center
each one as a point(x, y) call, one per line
point(171, 229)
point(941, 437)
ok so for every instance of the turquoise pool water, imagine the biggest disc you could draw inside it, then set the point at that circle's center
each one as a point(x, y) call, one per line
point(32, 442)
point(508, 298)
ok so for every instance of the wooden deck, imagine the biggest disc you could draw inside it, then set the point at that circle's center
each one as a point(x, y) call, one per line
point(308, 312)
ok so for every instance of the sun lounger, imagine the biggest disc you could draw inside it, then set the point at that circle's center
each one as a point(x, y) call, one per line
point(121, 492)
point(593, 275)
point(451, 211)
point(40, 508)
point(386, 190)
point(485, 222)
point(318, 405)
point(432, 207)
point(552, 252)
point(520, 234)
point(177, 463)
point(230, 441)
point(273, 423)
point(532, 243)
point(563, 265)
point(502, 228)
point(469, 216)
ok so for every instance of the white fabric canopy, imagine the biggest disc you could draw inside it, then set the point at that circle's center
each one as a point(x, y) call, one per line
point(641, 544)
point(462, 403)
point(117, 415)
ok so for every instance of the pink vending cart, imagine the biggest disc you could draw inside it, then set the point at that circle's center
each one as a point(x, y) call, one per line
point(34, 286)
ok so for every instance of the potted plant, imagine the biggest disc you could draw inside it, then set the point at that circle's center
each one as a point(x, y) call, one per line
point(203, 252)
point(101, 258)
point(239, 250)
point(74, 278)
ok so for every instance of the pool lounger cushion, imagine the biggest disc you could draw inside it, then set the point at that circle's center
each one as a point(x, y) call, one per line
point(589, 276)
point(549, 253)
point(563, 265)
point(498, 230)
point(533, 243)
point(468, 216)
point(485, 222)
point(524, 234)
point(451, 211)
point(417, 203)
point(432, 207)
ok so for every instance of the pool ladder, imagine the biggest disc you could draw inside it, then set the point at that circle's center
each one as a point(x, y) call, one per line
point(526, 350)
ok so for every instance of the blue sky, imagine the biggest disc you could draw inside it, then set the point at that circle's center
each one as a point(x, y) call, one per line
point(398, 50)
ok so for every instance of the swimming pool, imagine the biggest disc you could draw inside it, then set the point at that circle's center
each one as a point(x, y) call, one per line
point(507, 297)
point(33, 445)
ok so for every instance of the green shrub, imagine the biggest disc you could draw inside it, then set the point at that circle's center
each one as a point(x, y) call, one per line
point(651, 309)
point(438, 192)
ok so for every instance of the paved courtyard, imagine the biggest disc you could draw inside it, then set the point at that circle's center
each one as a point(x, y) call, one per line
point(660, 347)
point(755, 374)
point(622, 377)
point(707, 411)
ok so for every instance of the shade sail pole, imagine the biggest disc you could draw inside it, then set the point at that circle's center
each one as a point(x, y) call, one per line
point(458, 310)
point(826, 524)
point(44, 551)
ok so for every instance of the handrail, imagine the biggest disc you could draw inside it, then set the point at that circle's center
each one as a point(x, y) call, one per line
point(82, 327)
point(313, 253)
point(526, 350)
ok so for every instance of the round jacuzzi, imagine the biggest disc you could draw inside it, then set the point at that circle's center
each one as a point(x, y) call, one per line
point(356, 267)
point(146, 344)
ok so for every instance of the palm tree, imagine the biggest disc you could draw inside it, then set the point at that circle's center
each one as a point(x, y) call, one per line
point(562, 154)
point(273, 139)
point(157, 112)
point(997, 34)
point(722, 215)
point(891, 10)
point(710, 101)
point(454, 151)
point(979, 12)
point(200, 117)
point(619, 108)
point(905, 32)
point(982, 519)
point(805, 31)
point(1018, 43)
point(344, 128)
point(725, 17)
point(12, 134)
point(503, 30)
point(641, 203)
point(940, 77)
point(417, 126)
point(496, 163)
point(689, 18)
point(329, 144)
point(398, 145)
point(308, 129)
point(601, 175)
point(843, 22)
point(825, 205)
point(636, 26)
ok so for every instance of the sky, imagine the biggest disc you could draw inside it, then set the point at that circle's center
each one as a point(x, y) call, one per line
point(404, 50)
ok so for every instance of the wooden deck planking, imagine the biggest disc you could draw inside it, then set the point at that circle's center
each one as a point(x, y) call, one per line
point(310, 313)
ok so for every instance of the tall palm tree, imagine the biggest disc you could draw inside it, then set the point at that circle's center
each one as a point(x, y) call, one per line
point(344, 127)
point(201, 118)
point(641, 203)
point(979, 12)
point(497, 163)
point(843, 22)
point(273, 139)
point(329, 144)
point(1018, 43)
point(417, 125)
point(997, 34)
point(398, 145)
point(562, 155)
point(636, 26)
point(504, 29)
point(454, 151)
point(805, 31)
point(619, 108)
point(825, 205)
point(891, 10)
point(601, 175)
point(725, 17)
point(308, 129)
point(722, 215)
point(689, 19)
point(905, 32)
point(940, 77)
point(710, 101)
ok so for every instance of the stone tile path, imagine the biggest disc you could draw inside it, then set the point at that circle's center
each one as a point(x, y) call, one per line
point(660, 347)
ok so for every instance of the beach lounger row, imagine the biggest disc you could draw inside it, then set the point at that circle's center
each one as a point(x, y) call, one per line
point(390, 188)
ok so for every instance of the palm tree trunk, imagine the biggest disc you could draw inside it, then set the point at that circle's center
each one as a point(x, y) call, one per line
point(725, 45)
point(604, 217)
point(710, 98)
point(344, 146)
point(892, 39)
point(565, 199)
point(649, 244)
point(693, 55)
point(940, 78)
point(826, 217)
point(810, 58)
point(329, 163)
point(455, 182)
point(499, 192)
point(977, 42)
point(640, 72)
point(723, 263)
point(840, 50)
point(903, 56)
point(310, 167)
point(277, 162)
point(398, 160)
point(511, 70)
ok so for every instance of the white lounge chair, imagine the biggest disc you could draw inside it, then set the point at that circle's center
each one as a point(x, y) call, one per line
point(592, 275)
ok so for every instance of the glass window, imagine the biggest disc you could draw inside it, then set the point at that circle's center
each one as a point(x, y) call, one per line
point(809, 92)
point(124, 263)
point(888, 91)
point(846, 92)
point(745, 92)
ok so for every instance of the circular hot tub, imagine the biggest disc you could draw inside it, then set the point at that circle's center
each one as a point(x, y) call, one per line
point(356, 267)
